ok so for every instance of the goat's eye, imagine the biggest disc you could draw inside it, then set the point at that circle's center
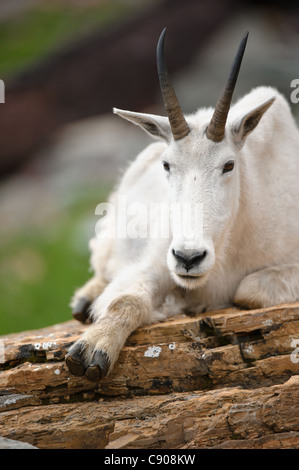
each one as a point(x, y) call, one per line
point(166, 166)
point(229, 166)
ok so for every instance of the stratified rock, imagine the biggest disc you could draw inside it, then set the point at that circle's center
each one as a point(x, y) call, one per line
point(224, 379)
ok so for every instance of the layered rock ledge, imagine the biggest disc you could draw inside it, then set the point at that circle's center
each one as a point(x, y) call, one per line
point(224, 379)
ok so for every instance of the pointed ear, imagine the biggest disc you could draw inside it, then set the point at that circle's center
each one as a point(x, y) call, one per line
point(157, 126)
point(242, 127)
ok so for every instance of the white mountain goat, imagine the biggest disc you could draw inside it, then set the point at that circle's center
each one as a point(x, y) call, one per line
point(239, 174)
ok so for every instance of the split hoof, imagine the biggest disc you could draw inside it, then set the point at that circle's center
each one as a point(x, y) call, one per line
point(99, 367)
point(74, 360)
point(96, 370)
point(80, 311)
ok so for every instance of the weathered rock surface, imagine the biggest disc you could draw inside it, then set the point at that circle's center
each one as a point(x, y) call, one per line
point(224, 379)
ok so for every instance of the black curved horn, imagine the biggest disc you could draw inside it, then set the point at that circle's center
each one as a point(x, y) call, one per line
point(178, 123)
point(216, 128)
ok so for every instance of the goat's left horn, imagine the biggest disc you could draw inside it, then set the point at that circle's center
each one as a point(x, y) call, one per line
point(178, 123)
point(216, 128)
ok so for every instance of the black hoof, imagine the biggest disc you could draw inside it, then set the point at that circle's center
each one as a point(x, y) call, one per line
point(80, 311)
point(98, 367)
point(74, 360)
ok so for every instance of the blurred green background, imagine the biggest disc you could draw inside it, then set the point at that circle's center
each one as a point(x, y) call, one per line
point(42, 264)
point(42, 27)
point(65, 64)
point(40, 268)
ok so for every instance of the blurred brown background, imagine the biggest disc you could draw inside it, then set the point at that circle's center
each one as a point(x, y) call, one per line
point(65, 65)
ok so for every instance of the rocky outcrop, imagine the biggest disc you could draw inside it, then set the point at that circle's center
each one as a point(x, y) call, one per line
point(224, 379)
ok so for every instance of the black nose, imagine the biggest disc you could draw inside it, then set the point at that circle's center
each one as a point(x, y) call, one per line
point(189, 262)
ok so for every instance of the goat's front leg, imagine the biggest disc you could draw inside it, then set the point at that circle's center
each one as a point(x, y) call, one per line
point(85, 295)
point(127, 303)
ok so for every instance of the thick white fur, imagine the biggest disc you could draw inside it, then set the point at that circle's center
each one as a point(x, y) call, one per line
point(250, 223)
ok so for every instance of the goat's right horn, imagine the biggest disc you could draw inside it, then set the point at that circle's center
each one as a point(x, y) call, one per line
point(216, 128)
point(178, 123)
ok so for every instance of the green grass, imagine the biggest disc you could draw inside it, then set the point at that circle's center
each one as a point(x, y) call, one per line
point(47, 27)
point(40, 268)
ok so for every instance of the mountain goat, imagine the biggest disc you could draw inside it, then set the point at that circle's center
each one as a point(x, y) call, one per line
point(238, 173)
